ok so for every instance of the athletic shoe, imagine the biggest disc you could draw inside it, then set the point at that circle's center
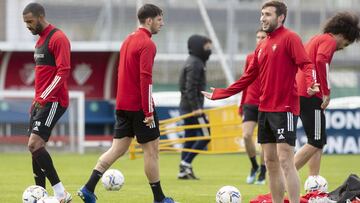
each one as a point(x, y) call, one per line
point(166, 200)
point(86, 195)
point(186, 173)
point(260, 180)
point(252, 176)
point(66, 199)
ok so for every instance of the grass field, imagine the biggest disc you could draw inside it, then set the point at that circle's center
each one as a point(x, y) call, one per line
point(214, 171)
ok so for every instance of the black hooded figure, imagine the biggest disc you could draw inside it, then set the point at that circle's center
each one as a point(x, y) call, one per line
point(192, 82)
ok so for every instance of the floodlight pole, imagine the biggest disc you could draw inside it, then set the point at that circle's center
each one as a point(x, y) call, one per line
point(217, 46)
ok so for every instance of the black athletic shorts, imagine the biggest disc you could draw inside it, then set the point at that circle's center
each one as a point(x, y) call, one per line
point(130, 123)
point(43, 119)
point(313, 120)
point(277, 127)
point(250, 112)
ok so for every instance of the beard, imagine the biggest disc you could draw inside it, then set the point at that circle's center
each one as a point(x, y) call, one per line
point(271, 27)
point(37, 30)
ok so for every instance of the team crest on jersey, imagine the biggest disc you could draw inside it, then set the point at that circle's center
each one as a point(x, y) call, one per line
point(274, 46)
point(27, 73)
point(81, 73)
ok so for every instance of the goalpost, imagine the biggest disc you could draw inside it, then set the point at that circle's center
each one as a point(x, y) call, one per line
point(68, 134)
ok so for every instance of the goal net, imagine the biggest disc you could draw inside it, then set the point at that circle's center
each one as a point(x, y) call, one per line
point(68, 134)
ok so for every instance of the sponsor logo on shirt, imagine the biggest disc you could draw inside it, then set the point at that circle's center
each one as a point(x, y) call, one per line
point(39, 56)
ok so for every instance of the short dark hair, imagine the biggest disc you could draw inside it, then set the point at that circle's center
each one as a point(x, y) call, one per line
point(148, 11)
point(344, 23)
point(35, 8)
point(260, 30)
point(280, 6)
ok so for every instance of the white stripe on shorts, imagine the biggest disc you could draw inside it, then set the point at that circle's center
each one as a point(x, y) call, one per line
point(317, 124)
point(51, 114)
point(290, 121)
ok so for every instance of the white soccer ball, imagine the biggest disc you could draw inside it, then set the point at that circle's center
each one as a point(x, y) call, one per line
point(228, 194)
point(316, 183)
point(48, 200)
point(113, 179)
point(33, 193)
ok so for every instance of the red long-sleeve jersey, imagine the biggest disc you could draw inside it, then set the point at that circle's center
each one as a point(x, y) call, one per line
point(134, 90)
point(276, 61)
point(251, 94)
point(320, 49)
point(51, 80)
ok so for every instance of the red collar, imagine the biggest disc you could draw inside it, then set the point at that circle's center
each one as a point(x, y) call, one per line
point(277, 31)
point(145, 30)
point(47, 30)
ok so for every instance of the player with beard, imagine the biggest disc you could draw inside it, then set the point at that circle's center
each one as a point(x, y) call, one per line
point(340, 31)
point(135, 114)
point(52, 68)
point(276, 61)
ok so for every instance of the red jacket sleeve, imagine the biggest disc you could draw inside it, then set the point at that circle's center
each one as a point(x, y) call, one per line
point(245, 80)
point(147, 55)
point(247, 63)
point(302, 60)
point(323, 59)
point(60, 47)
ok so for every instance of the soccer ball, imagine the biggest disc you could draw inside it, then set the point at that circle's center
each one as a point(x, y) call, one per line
point(228, 194)
point(113, 179)
point(33, 193)
point(48, 200)
point(316, 183)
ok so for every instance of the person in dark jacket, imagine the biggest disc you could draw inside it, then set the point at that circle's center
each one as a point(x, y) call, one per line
point(192, 82)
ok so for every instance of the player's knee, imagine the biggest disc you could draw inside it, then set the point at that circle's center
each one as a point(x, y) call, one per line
point(286, 165)
point(118, 152)
point(152, 154)
point(33, 146)
point(271, 164)
point(247, 136)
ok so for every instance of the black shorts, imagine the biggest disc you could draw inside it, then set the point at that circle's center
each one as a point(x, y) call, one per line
point(277, 127)
point(313, 120)
point(250, 112)
point(43, 119)
point(130, 123)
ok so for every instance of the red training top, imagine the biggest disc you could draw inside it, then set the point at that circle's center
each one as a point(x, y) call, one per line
point(51, 80)
point(320, 49)
point(251, 94)
point(134, 90)
point(277, 60)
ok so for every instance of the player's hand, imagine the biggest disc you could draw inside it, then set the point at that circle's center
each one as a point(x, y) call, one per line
point(208, 94)
point(149, 121)
point(326, 101)
point(313, 89)
point(37, 105)
point(198, 112)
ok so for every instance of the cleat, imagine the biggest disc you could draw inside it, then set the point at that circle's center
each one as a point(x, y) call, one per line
point(252, 176)
point(261, 179)
point(66, 199)
point(166, 200)
point(86, 195)
point(260, 182)
point(186, 173)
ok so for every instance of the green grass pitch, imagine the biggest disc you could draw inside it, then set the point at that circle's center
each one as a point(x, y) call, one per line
point(214, 171)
